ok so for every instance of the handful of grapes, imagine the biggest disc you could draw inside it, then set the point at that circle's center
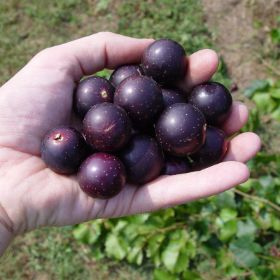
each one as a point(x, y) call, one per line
point(138, 125)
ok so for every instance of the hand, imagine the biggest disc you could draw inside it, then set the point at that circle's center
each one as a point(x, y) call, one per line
point(39, 97)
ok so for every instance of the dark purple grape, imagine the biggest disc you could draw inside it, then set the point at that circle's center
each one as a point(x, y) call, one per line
point(172, 96)
point(107, 127)
point(123, 72)
point(165, 61)
point(143, 159)
point(181, 129)
point(175, 166)
point(63, 149)
point(91, 91)
point(102, 176)
point(213, 100)
point(141, 97)
point(213, 150)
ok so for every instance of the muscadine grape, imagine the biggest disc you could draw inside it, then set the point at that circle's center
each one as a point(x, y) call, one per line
point(102, 176)
point(181, 129)
point(91, 91)
point(63, 149)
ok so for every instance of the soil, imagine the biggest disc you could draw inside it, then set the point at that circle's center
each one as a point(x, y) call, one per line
point(241, 30)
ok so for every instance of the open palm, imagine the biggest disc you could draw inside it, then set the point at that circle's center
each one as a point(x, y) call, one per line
point(39, 98)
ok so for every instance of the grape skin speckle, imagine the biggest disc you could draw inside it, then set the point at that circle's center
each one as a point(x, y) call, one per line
point(143, 159)
point(123, 72)
point(63, 149)
point(102, 176)
point(165, 61)
point(107, 127)
point(92, 91)
point(141, 97)
point(213, 100)
point(181, 129)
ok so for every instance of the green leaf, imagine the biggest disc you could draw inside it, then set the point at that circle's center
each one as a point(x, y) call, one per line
point(266, 181)
point(190, 247)
point(103, 73)
point(160, 274)
point(191, 275)
point(275, 221)
point(116, 247)
point(182, 261)
point(88, 233)
point(135, 255)
point(256, 86)
point(121, 224)
point(170, 254)
point(131, 231)
point(264, 102)
point(275, 93)
point(168, 213)
point(264, 220)
point(95, 231)
point(228, 230)
point(276, 114)
point(228, 214)
point(244, 258)
point(154, 243)
point(248, 185)
point(248, 228)
point(244, 250)
point(139, 219)
point(276, 270)
point(81, 233)
point(224, 259)
point(254, 121)
point(97, 253)
point(226, 199)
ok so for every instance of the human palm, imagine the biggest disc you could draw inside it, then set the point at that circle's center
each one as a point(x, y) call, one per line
point(39, 98)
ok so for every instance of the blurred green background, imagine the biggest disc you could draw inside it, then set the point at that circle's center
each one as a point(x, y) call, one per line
point(231, 236)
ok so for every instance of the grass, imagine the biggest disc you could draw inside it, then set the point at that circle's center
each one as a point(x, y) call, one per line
point(28, 26)
point(54, 254)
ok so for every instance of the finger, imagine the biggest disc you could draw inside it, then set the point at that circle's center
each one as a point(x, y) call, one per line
point(90, 54)
point(237, 118)
point(243, 147)
point(166, 191)
point(169, 191)
point(202, 65)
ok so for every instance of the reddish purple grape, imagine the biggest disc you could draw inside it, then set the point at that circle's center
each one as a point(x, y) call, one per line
point(172, 96)
point(213, 150)
point(91, 91)
point(141, 97)
point(165, 61)
point(143, 159)
point(123, 72)
point(213, 100)
point(107, 127)
point(175, 166)
point(102, 176)
point(181, 129)
point(63, 149)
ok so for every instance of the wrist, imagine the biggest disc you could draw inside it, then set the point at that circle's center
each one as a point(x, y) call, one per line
point(6, 238)
point(6, 231)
